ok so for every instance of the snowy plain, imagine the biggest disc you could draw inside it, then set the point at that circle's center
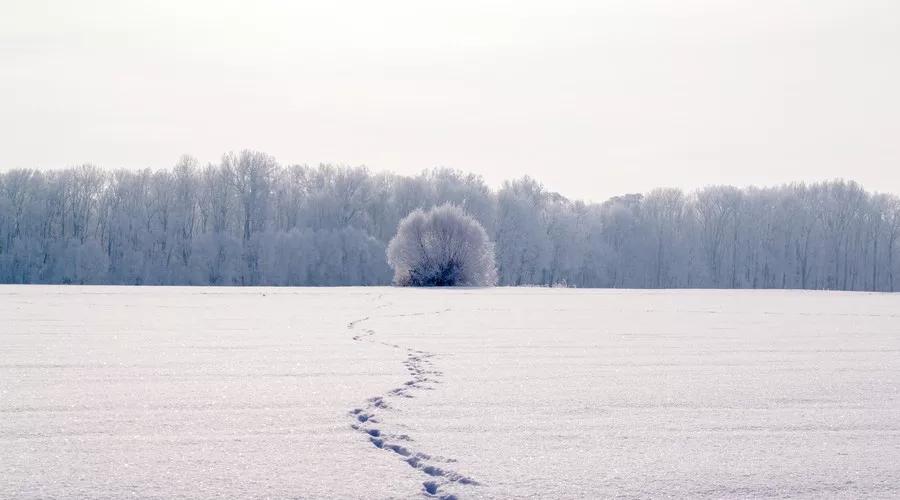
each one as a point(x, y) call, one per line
point(478, 393)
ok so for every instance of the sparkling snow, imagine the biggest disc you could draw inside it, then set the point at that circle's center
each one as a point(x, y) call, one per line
point(402, 393)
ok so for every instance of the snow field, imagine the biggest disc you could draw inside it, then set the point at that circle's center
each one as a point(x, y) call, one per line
point(468, 393)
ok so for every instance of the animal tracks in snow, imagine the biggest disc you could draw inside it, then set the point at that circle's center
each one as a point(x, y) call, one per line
point(367, 419)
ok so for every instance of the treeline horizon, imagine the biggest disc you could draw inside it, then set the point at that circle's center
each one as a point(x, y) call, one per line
point(247, 220)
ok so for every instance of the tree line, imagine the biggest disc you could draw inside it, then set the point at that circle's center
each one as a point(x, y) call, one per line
point(249, 221)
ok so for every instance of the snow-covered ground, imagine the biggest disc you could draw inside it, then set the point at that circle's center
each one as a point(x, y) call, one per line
point(496, 393)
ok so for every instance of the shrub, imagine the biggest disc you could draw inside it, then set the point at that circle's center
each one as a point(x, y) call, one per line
point(442, 247)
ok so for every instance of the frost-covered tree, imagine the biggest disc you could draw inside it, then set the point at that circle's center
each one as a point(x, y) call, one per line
point(523, 247)
point(441, 247)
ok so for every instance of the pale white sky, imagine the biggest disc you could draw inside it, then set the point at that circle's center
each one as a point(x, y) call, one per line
point(593, 98)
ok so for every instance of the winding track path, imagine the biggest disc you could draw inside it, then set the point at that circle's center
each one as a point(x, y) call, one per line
point(369, 419)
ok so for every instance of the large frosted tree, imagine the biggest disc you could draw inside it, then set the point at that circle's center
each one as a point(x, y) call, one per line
point(442, 247)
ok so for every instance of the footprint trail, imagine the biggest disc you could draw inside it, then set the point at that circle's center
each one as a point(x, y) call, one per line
point(372, 418)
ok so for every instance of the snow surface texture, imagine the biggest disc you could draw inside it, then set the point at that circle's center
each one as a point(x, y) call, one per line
point(405, 393)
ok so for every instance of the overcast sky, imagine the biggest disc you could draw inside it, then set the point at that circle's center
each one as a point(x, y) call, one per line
point(593, 98)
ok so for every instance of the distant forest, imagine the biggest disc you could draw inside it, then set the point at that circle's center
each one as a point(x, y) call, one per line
point(250, 221)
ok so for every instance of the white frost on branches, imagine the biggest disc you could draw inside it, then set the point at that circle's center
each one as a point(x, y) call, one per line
point(442, 247)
